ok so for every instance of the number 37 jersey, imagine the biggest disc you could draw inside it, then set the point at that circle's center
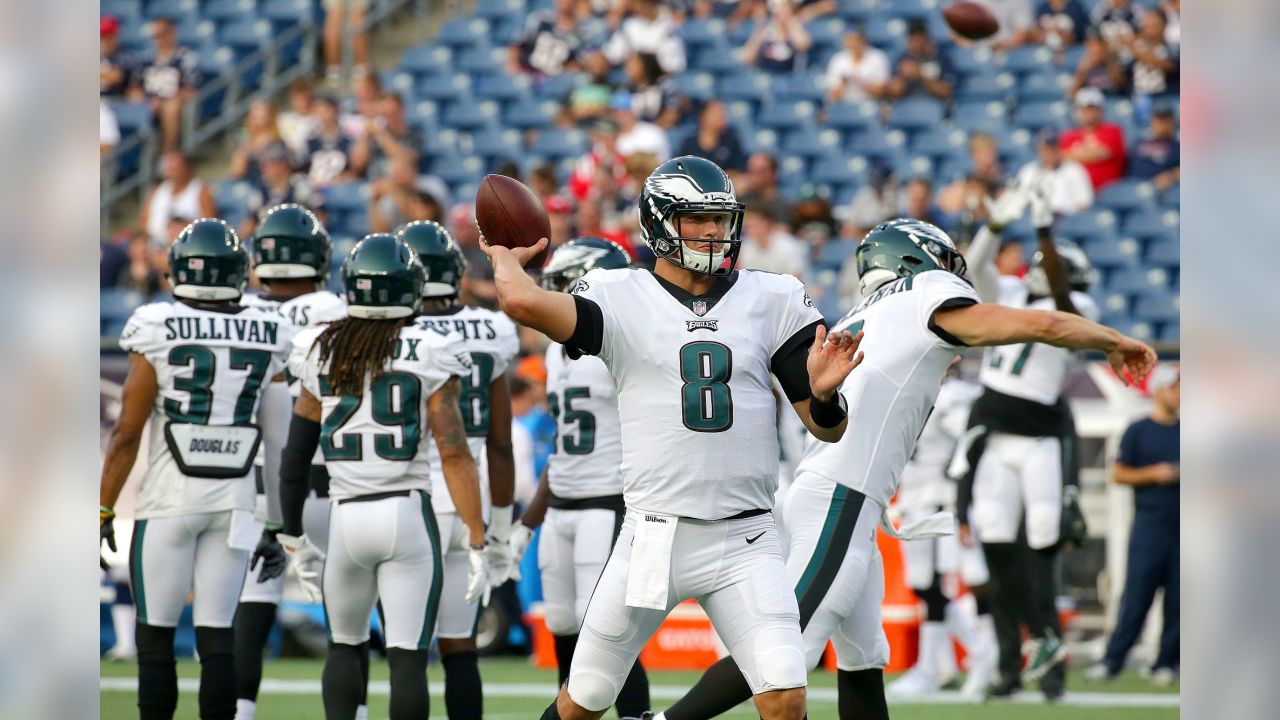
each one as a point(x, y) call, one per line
point(695, 393)
point(377, 442)
point(210, 369)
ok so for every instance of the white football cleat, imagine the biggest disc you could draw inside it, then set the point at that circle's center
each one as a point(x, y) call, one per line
point(913, 682)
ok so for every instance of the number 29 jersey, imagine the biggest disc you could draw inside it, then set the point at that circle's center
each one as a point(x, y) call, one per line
point(378, 442)
point(695, 396)
point(587, 459)
point(490, 339)
point(210, 369)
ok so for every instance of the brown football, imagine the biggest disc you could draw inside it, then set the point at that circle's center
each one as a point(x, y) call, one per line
point(510, 215)
point(970, 20)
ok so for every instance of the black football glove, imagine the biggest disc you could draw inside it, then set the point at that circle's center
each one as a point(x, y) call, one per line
point(271, 554)
point(106, 527)
point(1074, 529)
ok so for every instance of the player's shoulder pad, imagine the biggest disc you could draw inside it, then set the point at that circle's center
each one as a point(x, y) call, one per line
point(944, 281)
point(152, 313)
point(603, 276)
point(322, 307)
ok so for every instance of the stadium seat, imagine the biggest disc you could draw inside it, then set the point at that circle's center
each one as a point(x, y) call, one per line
point(985, 87)
point(835, 253)
point(1170, 332)
point(464, 32)
point(886, 31)
point(1157, 307)
point(531, 113)
point(246, 35)
point(119, 303)
point(974, 60)
point(497, 9)
point(1138, 281)
point(938, 142)
point(1164, 252)
point(878, 143)
point(695, 85)
point(1071, 57)
point(1171, 198)
point(427, 59)
point(468, 114)
point(1087, 223)
point(804, 86)
point(910, 167)
point(122, 10)
point(912, 8)
point(855, 11)
point(480, 60)
point(980, 116)
point(1110, 252)
point(196, 33)
point(559, 143)
point(132, 117)
point(786, 116)
point(699, 32)
point(286, 12)
point(1043, 87)
point(806, 142)
point(916, 113)
point(442, 88)
point(749, 86)
point(1140, 330)
point(225, 12)
point(836, 170)
point(347, 197)
point(853, 116)
point(1040, 115)
point(503, 87)
point(1127, 195)
point(1151, 223)
point(467, 169)
point(718, 60)
point(1028, 59)
point(1113, 306)
point(171, 9)
point(496, 145)
point(826, 31)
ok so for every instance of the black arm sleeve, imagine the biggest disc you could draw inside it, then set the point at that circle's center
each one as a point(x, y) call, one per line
point(588, 333)
point(295, 471)
point(956, 302)
point(964, 484)
point(789, 363)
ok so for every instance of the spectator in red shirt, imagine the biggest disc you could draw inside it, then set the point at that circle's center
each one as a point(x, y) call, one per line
point(1098, 146)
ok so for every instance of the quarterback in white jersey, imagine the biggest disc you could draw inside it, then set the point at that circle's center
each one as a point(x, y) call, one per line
point(372, 384)
point(1023, 469)
point(197, 370)
point(691, 347)
point(485, 403)
point(918, 313)
point(579, 503)
point(290, 252)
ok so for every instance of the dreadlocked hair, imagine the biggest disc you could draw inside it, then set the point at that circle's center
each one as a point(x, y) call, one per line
point(356, 347)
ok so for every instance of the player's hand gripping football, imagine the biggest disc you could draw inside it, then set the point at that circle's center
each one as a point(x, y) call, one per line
point(272, 556)
point(478, 584)
point(1133, 356)
point(831, 359)
point(522, 255)
point(307, 561)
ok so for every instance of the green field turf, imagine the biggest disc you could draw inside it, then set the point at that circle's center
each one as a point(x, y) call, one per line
point(517, 690)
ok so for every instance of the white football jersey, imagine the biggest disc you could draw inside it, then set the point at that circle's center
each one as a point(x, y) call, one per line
point(380, 441)
point(924, 481)
point(492, 341)
point(892, 392)
point(1032, 371)
point(695, 395)
point(210, 369)
point(587, 459)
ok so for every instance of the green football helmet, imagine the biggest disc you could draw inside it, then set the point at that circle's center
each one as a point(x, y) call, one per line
point(903, 247)
point(439, 254)
point(291, 242)
point(684, 186)
point(1080, 272)
point(578, 257)
point(207, 262)
point(382, 278)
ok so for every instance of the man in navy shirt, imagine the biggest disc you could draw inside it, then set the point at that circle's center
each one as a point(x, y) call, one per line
point(1148, 461)
point(1157, 157)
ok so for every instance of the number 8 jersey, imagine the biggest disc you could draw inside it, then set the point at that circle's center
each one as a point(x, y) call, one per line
point(378, 442)
point(695, 396)
point(210, 368)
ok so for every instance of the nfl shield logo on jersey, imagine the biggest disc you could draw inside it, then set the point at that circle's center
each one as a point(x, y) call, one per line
point(699, 307)
point(364, 284)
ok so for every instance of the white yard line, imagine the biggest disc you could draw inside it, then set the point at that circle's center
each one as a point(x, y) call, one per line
point(672, 692)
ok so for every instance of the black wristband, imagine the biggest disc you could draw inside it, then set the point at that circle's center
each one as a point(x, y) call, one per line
point(828, 414)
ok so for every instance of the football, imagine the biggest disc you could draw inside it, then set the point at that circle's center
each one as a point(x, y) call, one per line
point(510, 215)
point(970, 20)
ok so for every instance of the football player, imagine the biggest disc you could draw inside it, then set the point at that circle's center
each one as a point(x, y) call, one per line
point(924, 490)
point(919, 313)
point(490, 339)
point(579, 503)
point(691, 346)
point(290, 252)
point(372, 382)
point(197, 369)
point(1023, 473)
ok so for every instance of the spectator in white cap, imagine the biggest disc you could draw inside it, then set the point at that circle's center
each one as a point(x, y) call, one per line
point(1065, 180)
point(634, 134)
point(1148, 462)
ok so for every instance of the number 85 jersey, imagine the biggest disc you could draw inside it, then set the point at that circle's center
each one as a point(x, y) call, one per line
point(587, 458)
point(695, 393)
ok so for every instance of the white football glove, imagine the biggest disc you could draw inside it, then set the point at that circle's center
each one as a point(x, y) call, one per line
point(1006, 209)
point(478, 585)
point(500, 527)
point(519, 542)
point(1038, 199)
point(307, 561)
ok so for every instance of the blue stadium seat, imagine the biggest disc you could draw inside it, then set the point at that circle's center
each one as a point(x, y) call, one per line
point(288, 12)
point(805, 142)
point(225, 12)
point(786, 116)
point(1112, 305)
point(1138, 281)
point(1170, 332)
point(1107, 251)
point(1164, 252)
point(1039, 115)
point(531, 113)
point(837, 170)
point(740, 33)
point(503, 87)
point(980, 116)
point(910, 167)
point(442, 88)
point(1043, 87)
point(122, 10)
point(132, 117)
point(1120, 110)
point(195, 32)
point(916, 113)
point(1140, 330)
point(1151, 223)
point(246, 35)
point(804, 86)
point(855, 11)
point(1171, 198)
point(464, 32)
point(826, 31)
point(718, 60)
point(1087, 223)
point(347, 197)
point(938, 142)
point(496, 145)
point(695, 85)
point(559, 143)
point(468, 114)
point(480, 60)
point(985, 87)
point(698, 32)
point(427, 59)
point(975, 60)
point(879, 143)
point(1126, 195)
point(1071, 57)
point(1027, 59)
point(886, 31)
point(750, 86)
point(119, 303)
point(853, 116)
point(400, 82)
point(468, 169)
point(171, 9)
point(912, 8)
point(1157, 307)
point(498, 9)
point(835, 254)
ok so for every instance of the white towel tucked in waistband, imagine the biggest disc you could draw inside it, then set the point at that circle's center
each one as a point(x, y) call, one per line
point(244, 532)
point(650, 573)
point(935, 525)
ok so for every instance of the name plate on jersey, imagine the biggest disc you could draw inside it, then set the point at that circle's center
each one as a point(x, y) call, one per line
point(213, 451)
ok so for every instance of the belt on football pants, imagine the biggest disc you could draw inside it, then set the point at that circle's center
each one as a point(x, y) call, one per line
point(748, 514)
point(376, 496)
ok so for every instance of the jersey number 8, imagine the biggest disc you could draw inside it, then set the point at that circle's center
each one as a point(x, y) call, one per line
point(706, 401)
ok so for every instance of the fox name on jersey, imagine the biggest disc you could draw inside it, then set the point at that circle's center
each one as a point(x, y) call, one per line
point(893, 392)
point(210, 366)
point(693, 377)
point(491, 341)
point(586, 461)
point(379, 441)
